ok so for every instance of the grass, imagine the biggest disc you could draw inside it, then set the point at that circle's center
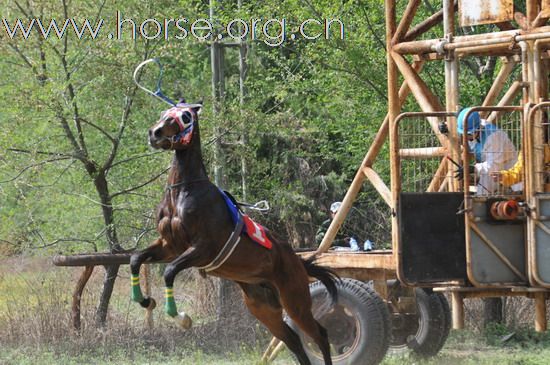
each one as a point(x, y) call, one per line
point(137, 356)
point(497, 345)
point(35, 328)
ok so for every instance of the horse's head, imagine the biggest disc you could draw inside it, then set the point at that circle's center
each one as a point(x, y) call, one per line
point(176, 128)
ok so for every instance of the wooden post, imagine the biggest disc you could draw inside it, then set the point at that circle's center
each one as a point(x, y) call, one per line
point(424, 96)
point(498, 85)
point(269, 351)
point(439, 177)
point(451, 89)
point(218, 93)
point(243, 70)
point(426, 99)
point(507, 98)
point(146, 274)
point(540, 312)
point(457, 303)
point(378, 184)
point(278, 348)
point(77, 295)
point(393, 111)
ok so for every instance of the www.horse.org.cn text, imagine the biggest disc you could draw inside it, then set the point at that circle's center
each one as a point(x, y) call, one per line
point(272, 32)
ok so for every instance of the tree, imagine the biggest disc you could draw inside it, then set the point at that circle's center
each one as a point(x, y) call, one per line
point(82, 91)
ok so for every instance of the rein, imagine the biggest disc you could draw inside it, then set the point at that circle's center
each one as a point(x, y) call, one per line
point(184, 183)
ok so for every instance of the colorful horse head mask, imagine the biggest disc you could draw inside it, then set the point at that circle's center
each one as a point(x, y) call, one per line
point(176, 127)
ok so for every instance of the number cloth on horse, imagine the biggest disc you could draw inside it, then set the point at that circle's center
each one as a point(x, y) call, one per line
point(255, 231)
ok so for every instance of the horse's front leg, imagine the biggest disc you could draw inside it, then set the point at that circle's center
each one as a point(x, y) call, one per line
point(155, 252)
point(186, 260)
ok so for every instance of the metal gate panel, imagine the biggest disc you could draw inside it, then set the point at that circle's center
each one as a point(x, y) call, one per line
point(538, 225)
point(501, 260)
point(495, 251)
point(540, 269)
point(432, 235)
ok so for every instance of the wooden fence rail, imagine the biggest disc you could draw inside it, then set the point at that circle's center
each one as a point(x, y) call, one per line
point(89, 262)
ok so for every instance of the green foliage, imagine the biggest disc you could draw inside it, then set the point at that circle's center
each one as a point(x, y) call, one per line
point(311, 110)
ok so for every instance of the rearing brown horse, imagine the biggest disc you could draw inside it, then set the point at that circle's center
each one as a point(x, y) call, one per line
point(195, 225)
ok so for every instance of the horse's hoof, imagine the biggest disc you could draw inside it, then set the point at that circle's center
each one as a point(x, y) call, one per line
point(148, 303)
point(183, 320)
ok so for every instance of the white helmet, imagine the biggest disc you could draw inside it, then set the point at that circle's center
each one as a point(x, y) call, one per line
point(335, 206)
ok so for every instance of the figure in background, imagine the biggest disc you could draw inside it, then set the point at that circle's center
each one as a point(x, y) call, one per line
point(492, 148)
point(344, 238)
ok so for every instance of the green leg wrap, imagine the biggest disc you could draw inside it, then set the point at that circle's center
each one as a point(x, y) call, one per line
point(137, 296)
point(170, 304)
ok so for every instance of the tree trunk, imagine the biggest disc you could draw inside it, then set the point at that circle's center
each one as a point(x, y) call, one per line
point(111, 272)
point(108, 285)
point(492, 311)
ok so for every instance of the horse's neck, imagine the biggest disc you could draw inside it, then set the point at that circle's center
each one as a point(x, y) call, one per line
point(188, 166)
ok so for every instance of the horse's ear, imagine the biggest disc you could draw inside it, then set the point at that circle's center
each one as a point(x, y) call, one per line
point(198, 109)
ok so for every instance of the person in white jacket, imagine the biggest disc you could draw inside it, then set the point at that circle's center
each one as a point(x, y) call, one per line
point(493, 150)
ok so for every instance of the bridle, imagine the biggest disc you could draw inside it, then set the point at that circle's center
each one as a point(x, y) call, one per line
point(185, 132)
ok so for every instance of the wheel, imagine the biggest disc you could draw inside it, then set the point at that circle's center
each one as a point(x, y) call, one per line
point(358, 324)
point(426, 331)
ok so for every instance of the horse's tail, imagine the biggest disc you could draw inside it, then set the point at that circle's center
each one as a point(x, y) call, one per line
point(324, 275)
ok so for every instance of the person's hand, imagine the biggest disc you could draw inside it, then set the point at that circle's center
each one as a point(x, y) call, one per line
point(496, 176)
point(459, 172)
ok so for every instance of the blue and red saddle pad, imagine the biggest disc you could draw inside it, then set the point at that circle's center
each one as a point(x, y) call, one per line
point(255, 231)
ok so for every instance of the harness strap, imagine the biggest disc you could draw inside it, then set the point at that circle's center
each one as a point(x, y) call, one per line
point(184, 183)
point(227, 249)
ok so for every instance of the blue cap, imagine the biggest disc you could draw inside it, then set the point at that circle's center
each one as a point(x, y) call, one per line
point(474, 121)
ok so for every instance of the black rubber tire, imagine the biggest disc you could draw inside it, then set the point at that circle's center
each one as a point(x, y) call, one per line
point(429, 334)
point(448, 319)
point(358, 324)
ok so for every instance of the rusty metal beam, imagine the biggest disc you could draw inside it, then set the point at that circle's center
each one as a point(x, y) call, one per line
point(505, 37)
point(406, 20)
point(426, 25)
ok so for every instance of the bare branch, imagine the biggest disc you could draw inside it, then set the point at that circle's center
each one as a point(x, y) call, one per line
point(56, 180)
point(22, 9)
point(8, 242)
point(48, 153)
point(125, 191)
point(380, 42)
point(124, 119)
point(101, 130)
point(312, 8)
point(56, 241)
point(349, 71)
point(81, 144)
point(135, 158)
point(68, 133)
point(34, 165)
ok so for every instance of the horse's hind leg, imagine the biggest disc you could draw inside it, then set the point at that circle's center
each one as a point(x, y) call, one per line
point(296, 301)
point(263, 303)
